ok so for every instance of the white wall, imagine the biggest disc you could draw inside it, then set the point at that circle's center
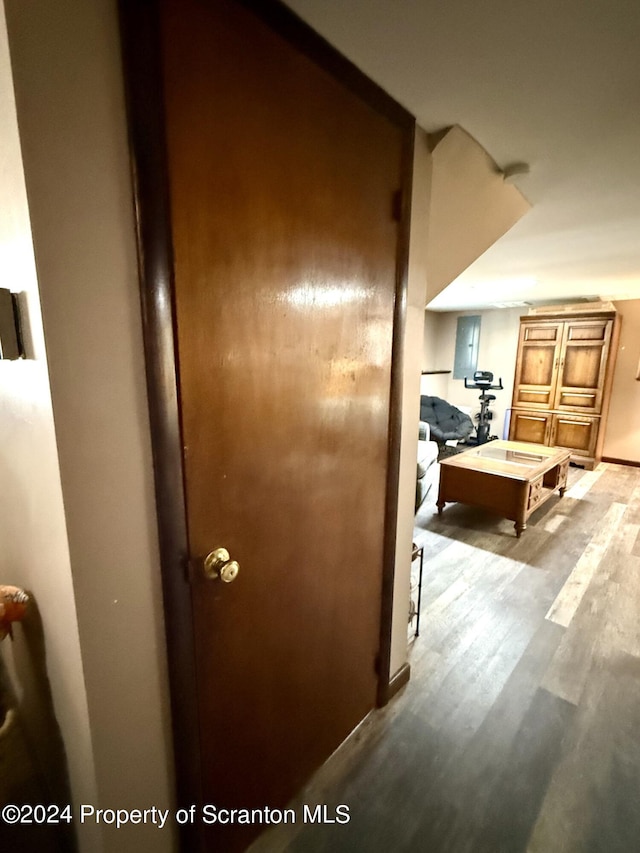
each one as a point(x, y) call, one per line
point(499, 329)
point(34, 552)
point(70, 106)
point(412, 357)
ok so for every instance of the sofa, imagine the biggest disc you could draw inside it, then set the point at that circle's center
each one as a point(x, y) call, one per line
point(427, 467)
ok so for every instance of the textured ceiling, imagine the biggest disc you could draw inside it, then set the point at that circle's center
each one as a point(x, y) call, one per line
point(556, 85)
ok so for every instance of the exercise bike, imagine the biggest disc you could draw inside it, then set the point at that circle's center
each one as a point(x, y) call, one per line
point(483, 381)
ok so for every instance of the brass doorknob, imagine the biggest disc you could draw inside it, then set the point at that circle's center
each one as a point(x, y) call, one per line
point(218, 565)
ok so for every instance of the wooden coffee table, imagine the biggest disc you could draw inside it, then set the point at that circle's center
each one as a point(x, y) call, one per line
point(510, 478)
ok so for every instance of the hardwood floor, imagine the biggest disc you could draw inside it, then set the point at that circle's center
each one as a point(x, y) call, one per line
point(518, 732)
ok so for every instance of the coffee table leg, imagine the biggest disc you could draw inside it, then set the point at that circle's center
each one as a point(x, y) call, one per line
point(519, 526)
point(562, 477)
point(440, 506)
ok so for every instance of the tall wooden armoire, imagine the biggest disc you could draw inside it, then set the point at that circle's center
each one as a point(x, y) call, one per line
point(564, 372)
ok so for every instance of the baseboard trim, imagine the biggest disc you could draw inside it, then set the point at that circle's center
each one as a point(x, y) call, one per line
point(398, 681)
point(621, 461)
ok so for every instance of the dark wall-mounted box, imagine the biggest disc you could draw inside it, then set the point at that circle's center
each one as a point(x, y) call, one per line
point(10, 339)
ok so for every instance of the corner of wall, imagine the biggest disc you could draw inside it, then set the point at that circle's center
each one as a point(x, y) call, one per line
point(414, 336)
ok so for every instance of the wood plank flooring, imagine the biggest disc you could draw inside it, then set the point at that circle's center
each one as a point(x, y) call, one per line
point(519, 731)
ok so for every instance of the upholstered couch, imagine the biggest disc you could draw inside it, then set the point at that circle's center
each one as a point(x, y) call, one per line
point(427, 468)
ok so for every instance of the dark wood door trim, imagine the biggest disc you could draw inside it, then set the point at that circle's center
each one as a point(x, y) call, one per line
point(615, 461)
point(385, 690)
point(141, 57)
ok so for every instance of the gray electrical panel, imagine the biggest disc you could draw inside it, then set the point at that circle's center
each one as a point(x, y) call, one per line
point(467, 344)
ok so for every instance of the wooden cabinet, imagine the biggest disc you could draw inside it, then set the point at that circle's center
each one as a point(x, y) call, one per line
point(564, 370)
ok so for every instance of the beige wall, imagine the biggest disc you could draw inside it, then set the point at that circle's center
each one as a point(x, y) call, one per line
point(417, 287)
point(498, 348)
point(44, 661)
point(622, 438)
point(70, 106)
point(471, 207)
point(433, 385)
point(430, 343)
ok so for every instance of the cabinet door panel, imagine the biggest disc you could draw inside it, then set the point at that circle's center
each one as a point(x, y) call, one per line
point(576, 434)
point(534, 427)
point(582, 367)
point(538, 358)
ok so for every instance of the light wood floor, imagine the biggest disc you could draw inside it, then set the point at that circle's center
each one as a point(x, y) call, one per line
point(520, 728)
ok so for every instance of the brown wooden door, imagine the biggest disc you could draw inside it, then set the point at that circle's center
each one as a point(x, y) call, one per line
point(534, 426)
point(578, 434)
point(583, 364)
point(538, 359)
point(285, 248)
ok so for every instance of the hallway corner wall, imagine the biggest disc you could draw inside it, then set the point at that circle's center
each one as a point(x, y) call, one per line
point(43, 664)
point(416, 298)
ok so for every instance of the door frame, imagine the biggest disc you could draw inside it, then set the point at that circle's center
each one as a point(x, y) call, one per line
point(140, 38)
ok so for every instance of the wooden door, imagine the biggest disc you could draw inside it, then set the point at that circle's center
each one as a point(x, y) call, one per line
point(583, 364)
point(288, 263)
point(577, 434)
point(536, 368)
point(534, 426)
